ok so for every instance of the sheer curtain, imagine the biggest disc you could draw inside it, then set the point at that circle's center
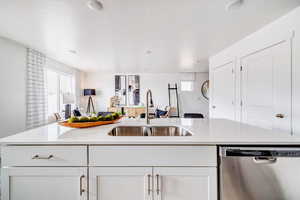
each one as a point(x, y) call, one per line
point(36, 100)
point(60, 81)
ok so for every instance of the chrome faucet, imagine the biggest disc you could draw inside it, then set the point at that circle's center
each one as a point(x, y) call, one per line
point(149, 92)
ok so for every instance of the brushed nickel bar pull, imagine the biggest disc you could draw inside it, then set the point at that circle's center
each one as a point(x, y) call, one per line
point(80, 186)
point(149, 184)
point(281, 116)
point(37, 157)
point(157, 185)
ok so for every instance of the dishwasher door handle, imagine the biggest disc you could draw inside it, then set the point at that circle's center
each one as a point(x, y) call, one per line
point(264, 160)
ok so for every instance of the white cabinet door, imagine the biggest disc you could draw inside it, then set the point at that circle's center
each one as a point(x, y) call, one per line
point(36, 183)
point(120, 183)
point(223, 92)
point(266, 87)
point(185, 183)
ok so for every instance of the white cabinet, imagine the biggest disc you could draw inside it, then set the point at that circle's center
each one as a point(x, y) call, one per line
point(266, 87)
point(44, 156)
point(162, 156)
point(44, 183)
point(223, 91)
point(178, 183)
point(112, 173)
point(115, 183)
point(165, 183)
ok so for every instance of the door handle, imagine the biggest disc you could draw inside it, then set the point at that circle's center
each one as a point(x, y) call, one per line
point(265, 160)
point(81, 189)
point(281, 116)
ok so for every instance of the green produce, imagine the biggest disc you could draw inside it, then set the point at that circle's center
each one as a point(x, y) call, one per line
point(100, 118)
point(73, 119)
point(93, 119)
point(108, 117)
point(84, 119)
point(115, 115)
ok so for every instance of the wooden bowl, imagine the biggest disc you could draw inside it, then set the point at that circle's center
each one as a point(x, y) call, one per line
point(87, 124)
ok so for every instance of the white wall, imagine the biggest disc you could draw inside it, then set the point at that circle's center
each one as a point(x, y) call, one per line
point(287, 26)
point(12, 87)
point(157, 82)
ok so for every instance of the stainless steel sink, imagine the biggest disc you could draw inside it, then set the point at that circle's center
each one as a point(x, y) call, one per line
point(149, 131)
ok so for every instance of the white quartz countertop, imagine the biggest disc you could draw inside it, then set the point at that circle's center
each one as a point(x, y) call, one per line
point(205, 132)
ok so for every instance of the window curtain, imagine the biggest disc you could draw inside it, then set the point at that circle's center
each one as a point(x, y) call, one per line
point(36, 91)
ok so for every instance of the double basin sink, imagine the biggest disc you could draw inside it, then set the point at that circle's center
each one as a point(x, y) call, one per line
point(149, 131)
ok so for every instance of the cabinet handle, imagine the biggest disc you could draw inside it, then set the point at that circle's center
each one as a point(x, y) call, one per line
point(37, 157)
point(149, 184)
point(157, 185)
point(280, 116)
point(81, 185)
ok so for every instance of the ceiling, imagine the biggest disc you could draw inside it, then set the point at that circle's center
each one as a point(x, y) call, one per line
point(135, 35)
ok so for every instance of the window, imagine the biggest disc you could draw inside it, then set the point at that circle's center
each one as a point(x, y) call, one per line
point(187, 86)
point(58, 84)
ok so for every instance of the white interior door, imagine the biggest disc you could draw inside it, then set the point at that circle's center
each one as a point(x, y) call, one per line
point(266, 87)
point(36, 183)
point(223, 97)
point(185, 183)
point(120, 183)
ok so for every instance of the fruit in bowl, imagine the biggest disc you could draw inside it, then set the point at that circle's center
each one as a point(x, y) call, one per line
point(108, 117)
point(84, 119)
point(93, 119)
point(73, 119)
point(85, 122)
point(115, 116)
point(100, 118)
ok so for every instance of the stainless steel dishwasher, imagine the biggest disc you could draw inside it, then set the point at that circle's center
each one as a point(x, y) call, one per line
point(255, 173)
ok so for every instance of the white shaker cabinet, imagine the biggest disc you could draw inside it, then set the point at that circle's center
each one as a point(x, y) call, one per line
point(115, 183)
point(109, 172)
point(188, 183)
point(153, 172)
point(158, 183)
point(44, 183)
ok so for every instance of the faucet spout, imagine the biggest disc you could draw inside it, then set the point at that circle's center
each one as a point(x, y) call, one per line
point(148, 94)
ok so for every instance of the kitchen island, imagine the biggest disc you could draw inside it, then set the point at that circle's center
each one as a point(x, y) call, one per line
point(54, 162)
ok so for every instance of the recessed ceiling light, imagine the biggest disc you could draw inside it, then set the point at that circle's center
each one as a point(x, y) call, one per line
point(148, 52)
point(95, 5)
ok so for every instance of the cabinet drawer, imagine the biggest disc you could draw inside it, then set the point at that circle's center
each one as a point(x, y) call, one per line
point(153, 156)
point(44, 156)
